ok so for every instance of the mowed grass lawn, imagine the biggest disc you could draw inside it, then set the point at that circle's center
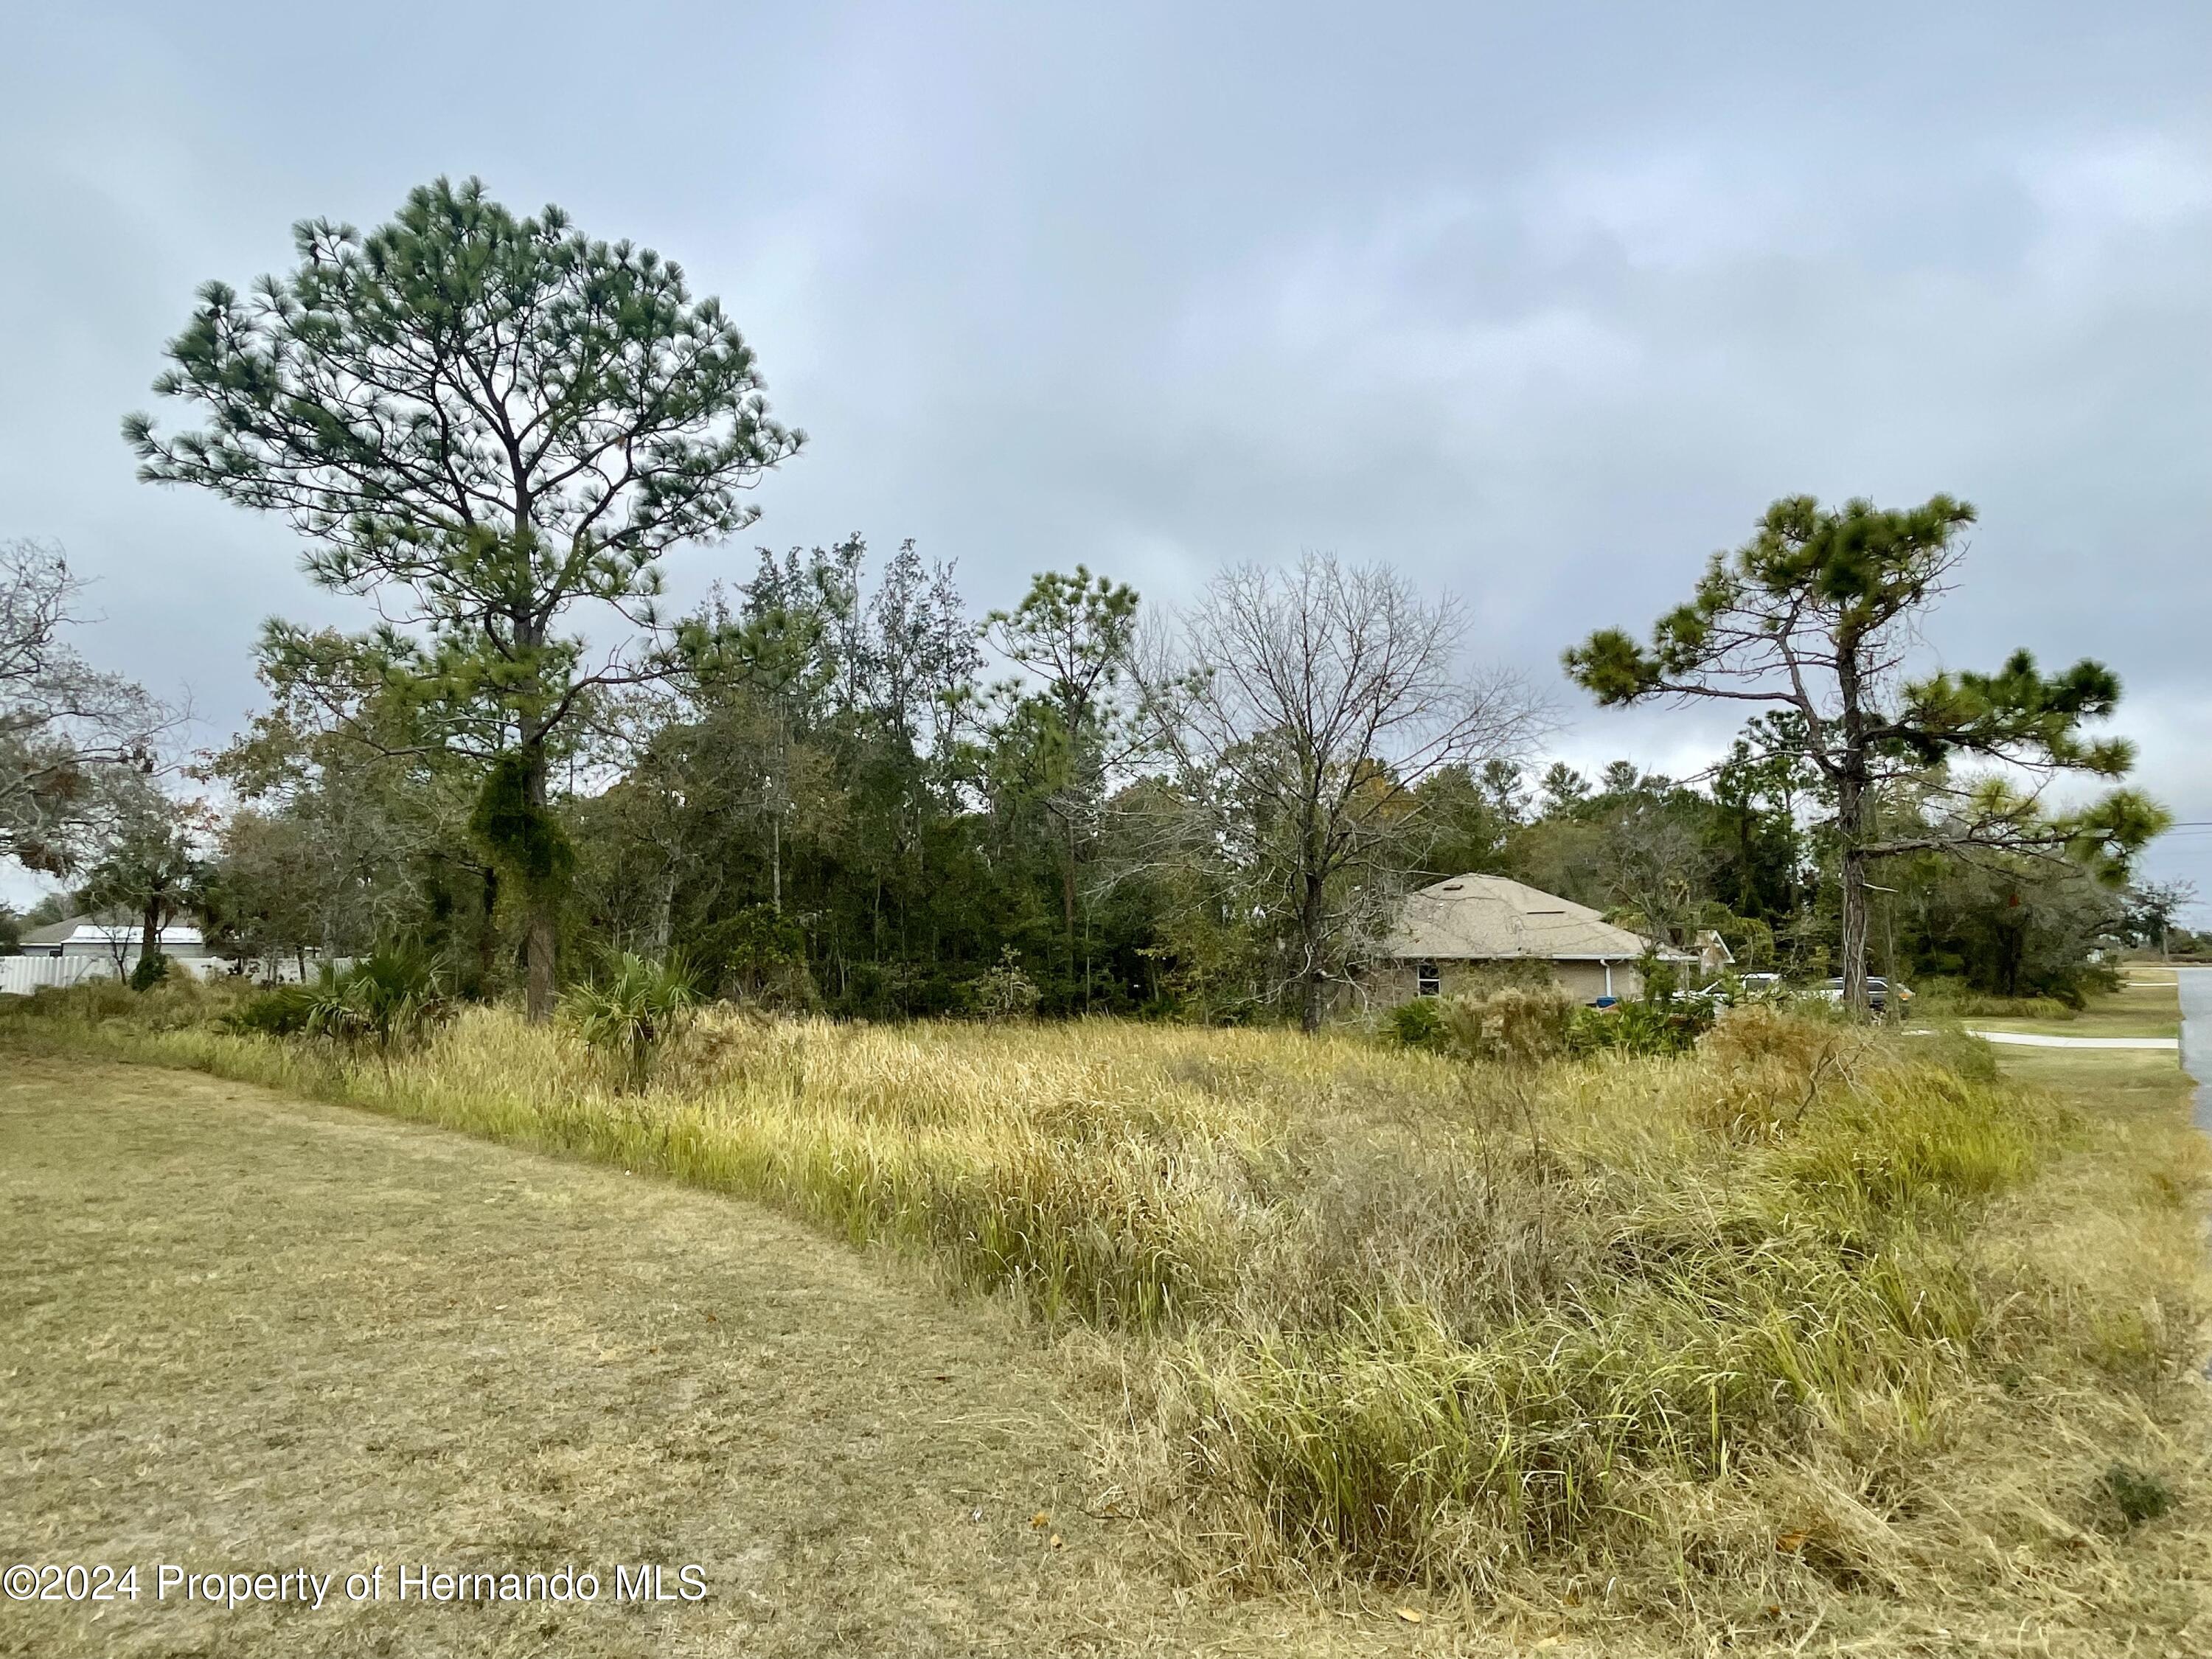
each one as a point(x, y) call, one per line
point(2146, 1006)
point(2130, 1085)
point(240, 1332)
point(2146, 1084)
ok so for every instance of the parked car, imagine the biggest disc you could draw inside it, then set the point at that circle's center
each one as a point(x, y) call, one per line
point(1742, 988)
point(1877, 992)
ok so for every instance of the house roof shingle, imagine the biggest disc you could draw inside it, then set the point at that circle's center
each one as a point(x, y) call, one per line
point(96, 930)
point(1489, 918)
point(55, 933)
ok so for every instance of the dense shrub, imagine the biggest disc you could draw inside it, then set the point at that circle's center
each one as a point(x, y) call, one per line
point(757, 955)
point(1514, 1025)
point(1509, 1027)
point(1800, 1038)
point(389, 998)
point(281, 1011)
point(1004, 992)
point(1951, 999)
point(149, 971)
point(1484, 979)
point(177, 1002)
point(1649, 1026)
point(1419, 1023)
point(630, 1010)
point(91, 1000)
point(1503, 1025)
point(1961, 1052)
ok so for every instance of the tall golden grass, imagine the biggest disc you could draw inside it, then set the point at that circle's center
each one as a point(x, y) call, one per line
point(1812, 1314)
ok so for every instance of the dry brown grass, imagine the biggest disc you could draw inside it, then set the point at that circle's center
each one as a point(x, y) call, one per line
point(244, 1331)
point(1813, 1342)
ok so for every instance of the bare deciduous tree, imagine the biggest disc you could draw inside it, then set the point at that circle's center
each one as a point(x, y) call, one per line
point(1300, 711)
point(150, 867)
point(65, 727)
point(1654, 865)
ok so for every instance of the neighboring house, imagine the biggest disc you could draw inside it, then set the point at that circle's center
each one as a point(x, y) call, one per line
point(1450, 929)
point(114, 938)
point(1714, 956)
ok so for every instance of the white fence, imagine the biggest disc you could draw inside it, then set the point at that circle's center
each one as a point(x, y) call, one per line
point(20, 975)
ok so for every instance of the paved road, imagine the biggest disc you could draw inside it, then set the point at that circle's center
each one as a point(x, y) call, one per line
point(2196, 985)
point(2033, 1040)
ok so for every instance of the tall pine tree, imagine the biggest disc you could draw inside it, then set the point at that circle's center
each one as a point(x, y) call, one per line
point(487, 423)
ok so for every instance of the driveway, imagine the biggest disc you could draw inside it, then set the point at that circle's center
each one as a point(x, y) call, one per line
point(2036, 1039)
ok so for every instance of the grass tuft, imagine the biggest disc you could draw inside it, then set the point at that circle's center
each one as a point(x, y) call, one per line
point(2139, 1495)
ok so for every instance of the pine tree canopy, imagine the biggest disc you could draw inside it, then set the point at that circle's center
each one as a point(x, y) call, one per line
point(497, 412)
point(1814, 616)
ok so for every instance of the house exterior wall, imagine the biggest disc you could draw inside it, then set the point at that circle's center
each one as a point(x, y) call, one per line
point(1390, 982)
point(1586, 981)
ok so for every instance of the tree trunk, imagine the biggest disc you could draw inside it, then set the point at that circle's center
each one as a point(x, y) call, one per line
point(1850, 812)
point(538, 960)
point(149, 935)
point(1854, 951)
point(538, 930)
point(663, 927)
point(1850, 817)
point(488, 934)
point(1310, 1012)
point(1067, 894)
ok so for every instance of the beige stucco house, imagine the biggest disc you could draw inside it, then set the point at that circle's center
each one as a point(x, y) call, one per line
point(1453, 926)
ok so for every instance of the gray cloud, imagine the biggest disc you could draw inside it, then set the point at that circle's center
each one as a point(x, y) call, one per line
point(1543, 303)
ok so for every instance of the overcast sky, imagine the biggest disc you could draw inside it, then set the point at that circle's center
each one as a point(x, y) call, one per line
point(1541, 303)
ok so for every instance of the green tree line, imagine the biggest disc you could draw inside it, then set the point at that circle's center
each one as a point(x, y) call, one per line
point(836, 785)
